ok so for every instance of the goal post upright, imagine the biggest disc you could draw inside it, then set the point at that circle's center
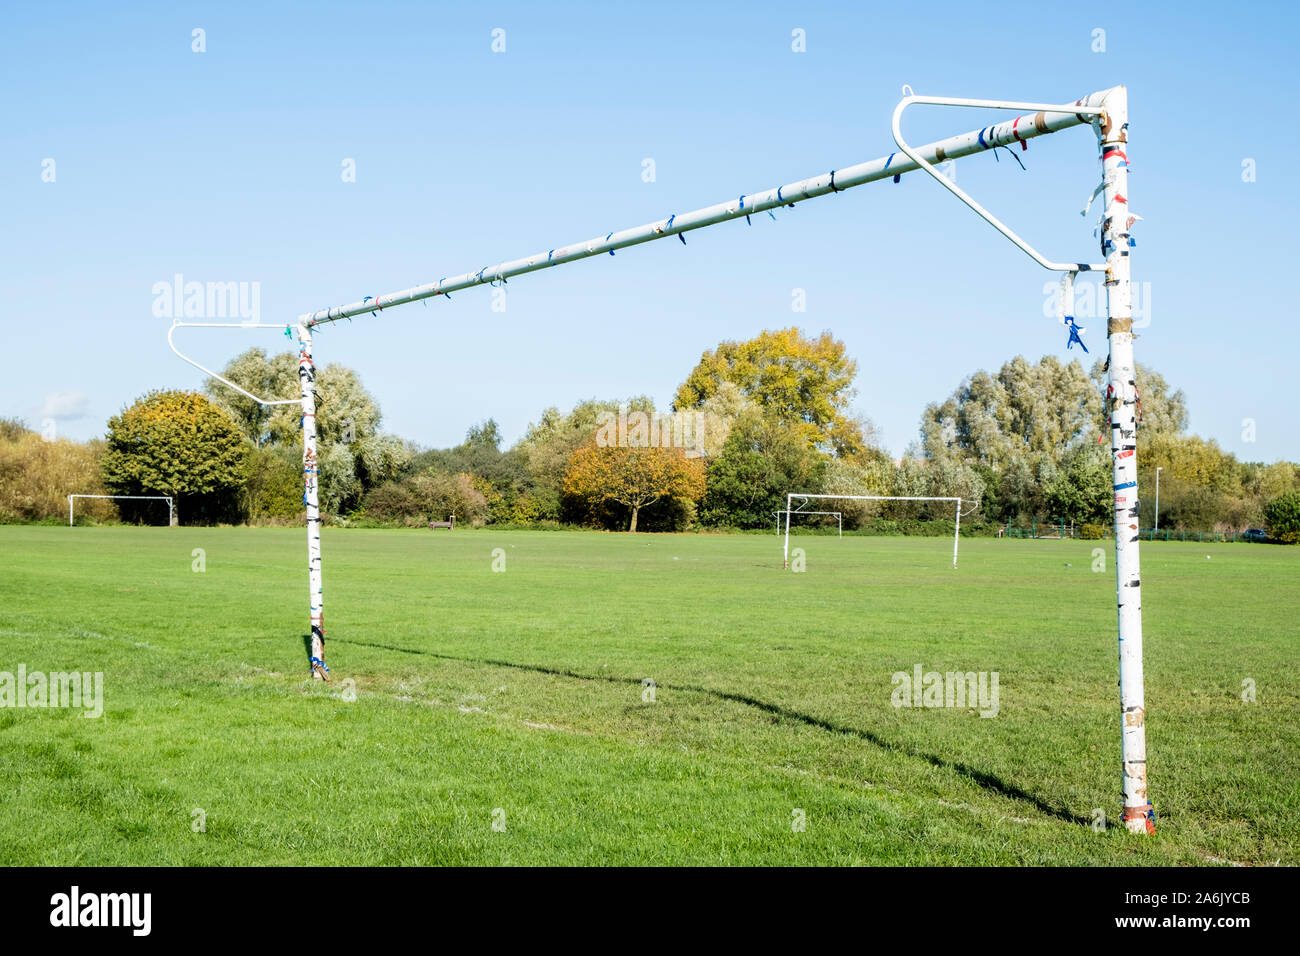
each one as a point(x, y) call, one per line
point(1121, 400)
point(956, 534)
point(785, 560)
point(311, 503)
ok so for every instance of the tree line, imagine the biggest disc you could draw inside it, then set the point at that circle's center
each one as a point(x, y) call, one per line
point(752, 421)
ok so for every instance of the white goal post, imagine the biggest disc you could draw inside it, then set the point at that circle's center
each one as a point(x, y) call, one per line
point(171, 509)
point(789, 500)
point(1105, 111)
point(839, 517)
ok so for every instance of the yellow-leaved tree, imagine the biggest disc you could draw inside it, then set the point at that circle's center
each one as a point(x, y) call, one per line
point(633, 477)
point(798, 381)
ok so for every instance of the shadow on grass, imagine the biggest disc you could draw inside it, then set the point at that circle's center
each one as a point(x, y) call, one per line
point(988, 781)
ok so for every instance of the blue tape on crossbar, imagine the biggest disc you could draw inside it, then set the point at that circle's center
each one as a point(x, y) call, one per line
point(1074, 334)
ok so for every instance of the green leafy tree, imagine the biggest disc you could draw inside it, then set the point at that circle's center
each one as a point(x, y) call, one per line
point(273, 485)
point(1200, 483)
point(1260, 484)
point(917, 476)
point(394, 501)
point(1081, 491)
point(760, 463)
point(800, 382)
point(441, 495)
point(380, 458)
point(180, 444)
point(347, 423)
point(1283, 516)
point(868, 473)
point(272, 378)
point(1024, 413)
point(1164, 410)
point(340, 487)
point(1016, 429)
point(503, 476)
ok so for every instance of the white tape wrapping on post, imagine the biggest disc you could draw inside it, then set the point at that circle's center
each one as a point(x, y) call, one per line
point(1121, 401)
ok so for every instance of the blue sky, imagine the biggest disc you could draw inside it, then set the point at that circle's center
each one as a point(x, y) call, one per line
point(226, 166)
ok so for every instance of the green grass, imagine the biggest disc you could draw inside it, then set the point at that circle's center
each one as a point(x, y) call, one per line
point(522, 691)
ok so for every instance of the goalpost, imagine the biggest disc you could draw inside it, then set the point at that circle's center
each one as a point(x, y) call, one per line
point(1105, 111)
point(171, 509)
point(837, 515)
point(785, 560)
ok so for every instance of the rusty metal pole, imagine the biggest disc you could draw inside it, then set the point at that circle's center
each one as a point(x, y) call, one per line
point(1122, 401)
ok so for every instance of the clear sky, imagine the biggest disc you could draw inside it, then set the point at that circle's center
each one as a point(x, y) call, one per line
point(228, 166)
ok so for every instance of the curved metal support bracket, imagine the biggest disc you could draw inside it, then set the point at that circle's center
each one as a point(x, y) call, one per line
point(953, 188)
point(219, 378)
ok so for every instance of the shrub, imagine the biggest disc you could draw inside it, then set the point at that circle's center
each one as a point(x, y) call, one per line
point(273, 485)
point(36, 477)
point(179, 444)
point(391, 501)
point(1283, 516)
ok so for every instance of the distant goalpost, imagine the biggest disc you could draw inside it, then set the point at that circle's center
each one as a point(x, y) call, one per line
point(805, 498)
point(171, 508)
point(837, 515)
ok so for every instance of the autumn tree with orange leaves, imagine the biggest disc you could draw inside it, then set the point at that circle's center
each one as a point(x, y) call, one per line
point(633, 477)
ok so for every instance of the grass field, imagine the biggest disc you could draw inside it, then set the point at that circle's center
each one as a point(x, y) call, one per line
point(517, 698)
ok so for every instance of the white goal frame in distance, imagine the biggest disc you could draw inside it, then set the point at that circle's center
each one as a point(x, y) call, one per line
point(171, 507)
point(1105, 111)
point(839, 517)
point(789, 499)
